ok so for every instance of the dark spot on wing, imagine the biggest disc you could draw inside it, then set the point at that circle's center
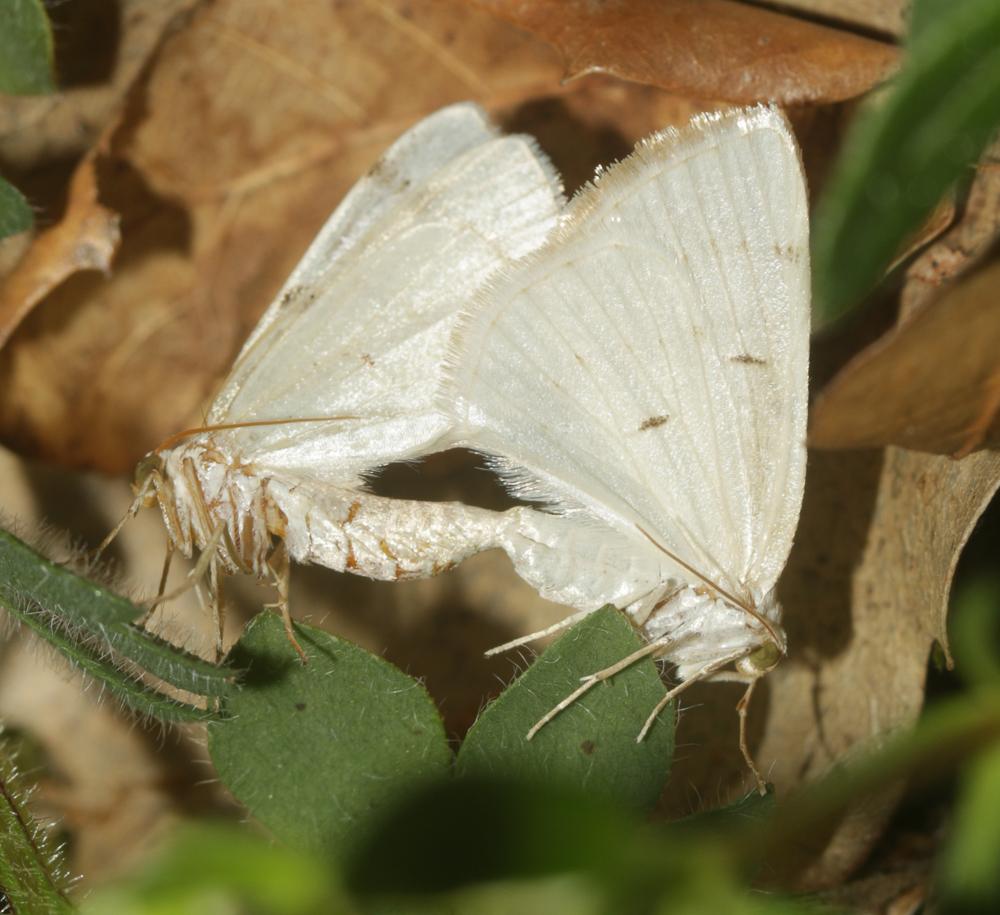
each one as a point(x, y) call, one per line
point(747, 359)
point(385, 172)
point(653, 422)
point(787, 252)
point(298, 296)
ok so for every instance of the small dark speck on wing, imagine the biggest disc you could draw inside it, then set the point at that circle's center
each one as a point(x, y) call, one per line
point(652, 422)
point(747, 359)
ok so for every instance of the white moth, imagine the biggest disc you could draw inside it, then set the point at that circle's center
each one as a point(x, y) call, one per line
point(636, 360)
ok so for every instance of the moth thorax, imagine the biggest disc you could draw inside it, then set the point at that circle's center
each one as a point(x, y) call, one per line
point(701, 627)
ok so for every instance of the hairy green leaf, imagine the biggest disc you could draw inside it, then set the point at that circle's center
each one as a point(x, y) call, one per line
point(31, 872)
point(69, 610)
point(315, 751)
point(26, 63)
point(121, 683)
point(592, 744)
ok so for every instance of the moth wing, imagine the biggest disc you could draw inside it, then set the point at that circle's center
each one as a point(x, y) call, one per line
point(361, 327)
point(648, 365)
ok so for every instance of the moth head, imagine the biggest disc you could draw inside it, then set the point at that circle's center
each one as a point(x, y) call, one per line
point(762, 659)
point(147, 472)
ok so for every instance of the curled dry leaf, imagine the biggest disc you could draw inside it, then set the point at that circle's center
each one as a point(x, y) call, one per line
point(888, 16)
point(253, 121)
point(866, 597)
point(709, 49)
point(932, 383)
point(84, 239)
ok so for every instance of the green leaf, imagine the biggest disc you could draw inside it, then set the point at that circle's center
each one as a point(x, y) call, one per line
point(121, 684)
point(30, 871)
point(15, 213)
point(903, 154)
point(974, 628)
point(211, 867)
point(84, 620)
point(591, 744)
point(480, 830)
point(969, 875)
point(26, 62)
point(316, 751)
point(748, 810)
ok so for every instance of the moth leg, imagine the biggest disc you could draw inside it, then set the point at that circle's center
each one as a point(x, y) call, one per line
point(704, 674)
point(590, 681)
point(549, 630)
point(280, 568)
point(195, 575)
point(148, 612)
point(218, 608)
point(742, 708)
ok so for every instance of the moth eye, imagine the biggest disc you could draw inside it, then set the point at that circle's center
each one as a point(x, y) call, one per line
point(765, 657)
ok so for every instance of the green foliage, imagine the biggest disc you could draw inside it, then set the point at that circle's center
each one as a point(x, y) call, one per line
point(314, 751)
point(31, 872)
point(94, 629)
point(974, 628)
point(970, 878)
point(593, 742)
point(26, 62)
point(907, 148)
point(211, 867)
point(15, 213)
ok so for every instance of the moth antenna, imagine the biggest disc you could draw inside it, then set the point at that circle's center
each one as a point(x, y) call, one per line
point(734, 601)
point(172, 440)
point(130, 513)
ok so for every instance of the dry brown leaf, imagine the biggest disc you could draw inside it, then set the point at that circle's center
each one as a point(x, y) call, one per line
point(84, 239)
point(866, 596)
point(708, 49)
point(248, 130)
point(888, 16)
point(933, 384)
